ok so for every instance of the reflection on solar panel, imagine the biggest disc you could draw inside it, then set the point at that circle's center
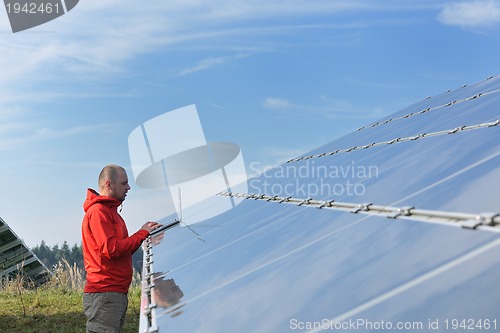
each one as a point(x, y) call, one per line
point(16, 258)
point(392, 227)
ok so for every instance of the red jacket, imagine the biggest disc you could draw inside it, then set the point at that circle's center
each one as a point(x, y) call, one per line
point(107, 248)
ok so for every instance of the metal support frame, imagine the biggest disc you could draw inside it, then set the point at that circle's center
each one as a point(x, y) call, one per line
point(433, 108)
point(489, 220)
point(398, 140)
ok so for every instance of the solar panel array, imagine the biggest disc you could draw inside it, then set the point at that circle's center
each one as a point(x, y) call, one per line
point(394, 226)
point(17, 259)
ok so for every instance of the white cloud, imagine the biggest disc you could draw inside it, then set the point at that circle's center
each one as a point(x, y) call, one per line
point(331, 108)
point(208, 63)
point(19, 130)
point(50, 133)
point(471, 14)
point(97, 38)
point(276, 103)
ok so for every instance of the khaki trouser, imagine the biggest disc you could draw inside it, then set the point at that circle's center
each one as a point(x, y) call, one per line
point(105, 311)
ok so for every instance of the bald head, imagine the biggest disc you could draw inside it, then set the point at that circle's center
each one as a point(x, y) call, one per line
point(113, 182)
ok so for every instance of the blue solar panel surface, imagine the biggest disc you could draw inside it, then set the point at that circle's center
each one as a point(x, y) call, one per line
point(272, 266)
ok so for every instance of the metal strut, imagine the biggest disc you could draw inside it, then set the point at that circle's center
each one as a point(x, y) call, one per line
point(431, 109)
point(397, 140)
point(489, 221)
point(148, 285)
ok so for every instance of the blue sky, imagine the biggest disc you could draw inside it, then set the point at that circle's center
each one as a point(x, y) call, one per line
point(278, 78)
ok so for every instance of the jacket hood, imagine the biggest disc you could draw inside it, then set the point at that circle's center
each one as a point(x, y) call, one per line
point(93, 197)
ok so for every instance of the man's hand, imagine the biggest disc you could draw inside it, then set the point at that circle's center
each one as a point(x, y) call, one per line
point(150, 226)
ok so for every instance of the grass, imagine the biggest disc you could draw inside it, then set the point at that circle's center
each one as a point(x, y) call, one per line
point(56, 306)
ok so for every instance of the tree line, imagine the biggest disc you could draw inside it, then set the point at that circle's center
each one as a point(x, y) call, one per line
point(51, 256)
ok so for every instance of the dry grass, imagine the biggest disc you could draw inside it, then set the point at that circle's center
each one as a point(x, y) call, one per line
point(56, 306)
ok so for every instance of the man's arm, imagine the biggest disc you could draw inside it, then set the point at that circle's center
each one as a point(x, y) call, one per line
point(108, 240)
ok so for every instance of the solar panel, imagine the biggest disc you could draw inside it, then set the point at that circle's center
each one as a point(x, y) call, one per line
point(16, 258)
point(393, 226)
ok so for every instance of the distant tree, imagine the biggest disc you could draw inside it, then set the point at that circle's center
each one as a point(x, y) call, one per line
point(137, 260)
point(55, 255)
point(74, 255)
point(43, 252)
point(65, 251)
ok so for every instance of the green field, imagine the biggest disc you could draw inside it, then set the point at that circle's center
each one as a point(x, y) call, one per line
point(55, 306)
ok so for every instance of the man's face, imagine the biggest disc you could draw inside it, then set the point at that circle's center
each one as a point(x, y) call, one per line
point(119, 189)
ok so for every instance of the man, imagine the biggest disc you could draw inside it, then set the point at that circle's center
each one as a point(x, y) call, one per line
point(107, 252)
